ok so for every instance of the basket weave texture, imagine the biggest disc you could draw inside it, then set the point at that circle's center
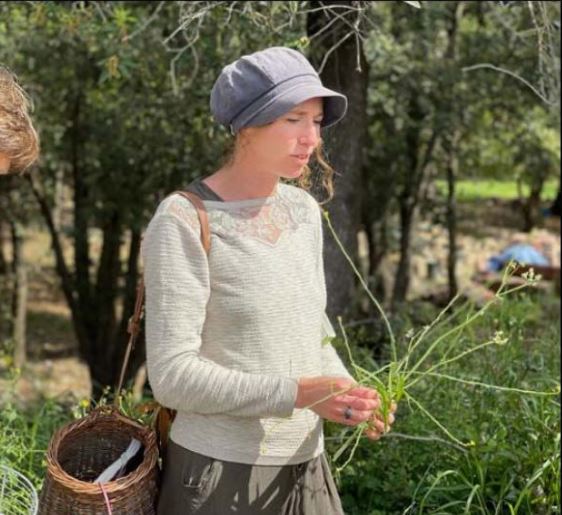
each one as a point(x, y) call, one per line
point(79, 451)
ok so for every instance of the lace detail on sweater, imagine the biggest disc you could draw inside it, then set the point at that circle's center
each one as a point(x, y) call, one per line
point(265, 221)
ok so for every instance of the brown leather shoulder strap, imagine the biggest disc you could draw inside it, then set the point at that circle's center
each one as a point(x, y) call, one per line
point(133, 327)
point(203, 218)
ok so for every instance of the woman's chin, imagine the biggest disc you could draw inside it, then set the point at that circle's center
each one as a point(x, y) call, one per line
point(293, 173)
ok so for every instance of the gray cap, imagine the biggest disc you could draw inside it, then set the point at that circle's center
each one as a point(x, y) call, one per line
point(258, 88)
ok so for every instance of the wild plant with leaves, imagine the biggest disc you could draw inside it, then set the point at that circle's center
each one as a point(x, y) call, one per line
point(395, 380)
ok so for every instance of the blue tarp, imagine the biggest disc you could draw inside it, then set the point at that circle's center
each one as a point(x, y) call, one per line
point(521, 252)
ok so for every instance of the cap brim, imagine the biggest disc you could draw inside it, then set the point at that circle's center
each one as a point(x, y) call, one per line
point(281, 102)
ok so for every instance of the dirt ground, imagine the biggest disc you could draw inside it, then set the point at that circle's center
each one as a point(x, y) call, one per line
point(484, 231)
point(54, 370)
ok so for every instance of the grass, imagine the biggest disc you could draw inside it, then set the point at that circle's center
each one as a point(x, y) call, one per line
point(514, 462)
point(476, 189)
point(512, 468)
point(25, 435)
point(489, 413)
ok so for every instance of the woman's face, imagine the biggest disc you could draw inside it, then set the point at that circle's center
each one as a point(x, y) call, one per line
point(284, 146)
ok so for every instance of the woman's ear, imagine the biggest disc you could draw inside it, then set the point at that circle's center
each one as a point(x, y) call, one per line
point(243, 138)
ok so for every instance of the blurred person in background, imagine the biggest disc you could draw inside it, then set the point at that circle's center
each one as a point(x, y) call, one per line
point(19, 142)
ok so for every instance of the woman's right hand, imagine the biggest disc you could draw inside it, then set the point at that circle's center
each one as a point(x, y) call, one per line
point(330, 397)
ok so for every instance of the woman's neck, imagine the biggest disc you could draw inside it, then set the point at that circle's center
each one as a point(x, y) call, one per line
point(242, 183)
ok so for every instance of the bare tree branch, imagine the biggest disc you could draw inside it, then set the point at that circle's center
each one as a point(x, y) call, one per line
point(546, 28)
point(194, 14)
point(330, 50)
point(68, 285)
point(146, 23)
point(508, 72)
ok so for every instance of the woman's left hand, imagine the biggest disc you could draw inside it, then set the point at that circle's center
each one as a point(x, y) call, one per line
point(376, 424)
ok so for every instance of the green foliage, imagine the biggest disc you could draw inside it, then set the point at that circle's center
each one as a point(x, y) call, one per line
point(25, 434)
point(115, 121)
point(418, 87)
point(515, 459)
point(108, 107)
point(119, 131)
point(25, 431)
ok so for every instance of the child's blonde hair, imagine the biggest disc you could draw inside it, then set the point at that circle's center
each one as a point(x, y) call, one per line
point(18, 138)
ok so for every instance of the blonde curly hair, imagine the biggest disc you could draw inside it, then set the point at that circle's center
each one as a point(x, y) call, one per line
point(18, 138)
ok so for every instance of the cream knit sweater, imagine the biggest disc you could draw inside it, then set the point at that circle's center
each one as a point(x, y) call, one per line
point(229, 334)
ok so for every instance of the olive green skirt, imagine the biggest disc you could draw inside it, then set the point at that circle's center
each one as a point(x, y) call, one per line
point(197, 484)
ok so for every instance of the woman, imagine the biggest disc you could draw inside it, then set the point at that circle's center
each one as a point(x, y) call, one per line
point(235, 337)
point(19, 143)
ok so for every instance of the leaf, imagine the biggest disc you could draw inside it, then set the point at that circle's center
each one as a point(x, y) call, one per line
point(417, 5)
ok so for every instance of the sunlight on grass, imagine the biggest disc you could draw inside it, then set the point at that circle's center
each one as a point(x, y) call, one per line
point(468, 190)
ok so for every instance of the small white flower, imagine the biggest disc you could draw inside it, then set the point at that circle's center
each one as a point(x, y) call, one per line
point(499, 338)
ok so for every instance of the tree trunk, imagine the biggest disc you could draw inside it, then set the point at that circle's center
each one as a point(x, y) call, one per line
point(112, 337)
point(451, 146)
point(102, 342)
point(86, 309)
point(452, 173)
point(409, 197)
point(345, 144)
point(19, 295)
point(67, 281)
point(402, 281)
point(532, 204)
point(58, 208)
point(3, 258)
point(556, 207)
point(519, 186)
point(138, 355)
point(378, 244)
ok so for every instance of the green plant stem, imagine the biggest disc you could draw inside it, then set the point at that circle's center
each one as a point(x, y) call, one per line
point(487, 385)
point(428, 328)
point(450, 360)
point(434, 420)
point(450, 332)
point(356, 437)
point(418, 438)
point(362, 281)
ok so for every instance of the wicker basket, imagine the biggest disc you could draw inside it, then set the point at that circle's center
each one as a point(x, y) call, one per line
point(81, 450)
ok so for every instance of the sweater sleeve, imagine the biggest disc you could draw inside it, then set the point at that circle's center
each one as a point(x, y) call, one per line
point(177, 287)
point(332, 364)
